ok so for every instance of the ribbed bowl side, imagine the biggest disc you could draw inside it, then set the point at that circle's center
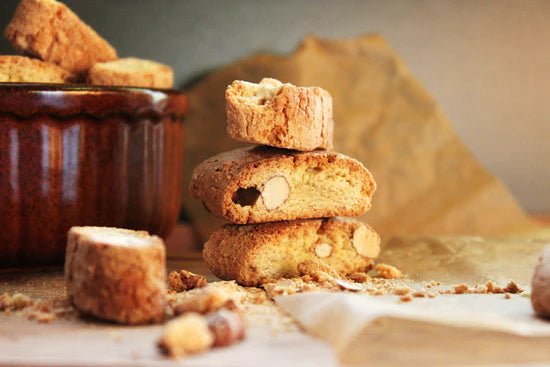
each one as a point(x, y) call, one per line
point(57, 173)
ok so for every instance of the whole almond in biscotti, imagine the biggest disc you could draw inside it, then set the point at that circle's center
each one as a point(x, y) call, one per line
point(280, 115)
point(264, 184)
point(259, 253)
point(540, 285)
point(132, 72)
point(49, 30)
point(22, 69)
point(116, 274)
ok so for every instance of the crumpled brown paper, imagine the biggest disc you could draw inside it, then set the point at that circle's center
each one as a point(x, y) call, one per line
point(428, 182)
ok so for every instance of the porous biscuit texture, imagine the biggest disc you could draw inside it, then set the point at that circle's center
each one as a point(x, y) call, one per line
point(21, 69)
point(540, 285)
point(49, 30)
point(260, 253)
point(132, 72)
point(264, 184)
point(116, 274)
point(280, 115)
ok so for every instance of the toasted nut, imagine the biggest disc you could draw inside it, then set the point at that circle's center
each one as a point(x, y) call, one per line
point(387, 271)
point(347, 285)
point(275, 192)
point(186, 334)
point(227, 327)
point(367, 243)
point(323, 250)
point(183, 280)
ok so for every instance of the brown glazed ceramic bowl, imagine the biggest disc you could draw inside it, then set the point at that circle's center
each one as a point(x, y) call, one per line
point(85, 155)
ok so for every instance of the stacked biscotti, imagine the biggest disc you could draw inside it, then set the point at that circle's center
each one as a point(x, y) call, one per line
point(286, 198)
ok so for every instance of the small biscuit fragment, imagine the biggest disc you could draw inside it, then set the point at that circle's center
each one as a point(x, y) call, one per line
point(132, 72)
point(183, 280)
point(21, 69)
point(116, 274)
point(261, 253)
point(264, 184)
point(280, 115)
point(187, 334)
point(49, 30)
point(540, 285)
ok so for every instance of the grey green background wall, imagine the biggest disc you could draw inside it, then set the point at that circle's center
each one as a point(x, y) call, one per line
point(486, 62)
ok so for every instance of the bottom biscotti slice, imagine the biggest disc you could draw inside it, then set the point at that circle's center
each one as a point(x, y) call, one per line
point(21, 69)
point(260, 253)
point(263, 184)
point(116, 274)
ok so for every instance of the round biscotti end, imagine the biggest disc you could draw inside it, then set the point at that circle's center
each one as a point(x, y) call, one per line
point(257, 254)
point(21, 69)
point(540, 285)
point(132, 72)
point(280, 115)
point(116, 274)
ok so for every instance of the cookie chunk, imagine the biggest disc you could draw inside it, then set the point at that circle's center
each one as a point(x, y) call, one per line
point(540, 285)
point(21, 69)
point(260, 253)
point(49, 30)
point(132, 72)
point(264, 184)
point(280, 115)
point(116, 274)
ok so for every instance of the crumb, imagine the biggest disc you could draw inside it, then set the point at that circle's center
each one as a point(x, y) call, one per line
point(387, 271)
point(187, 334)
point(405, 299)
point(512, 288)
point(431, 295)
point(358, 277)
point(507, 295)
point(183, 280)
point(419, 294)
point(317, 270)
point(480, 289)
point(460, 289)
point(401, 291)
point(18, 301)
point(206, 299)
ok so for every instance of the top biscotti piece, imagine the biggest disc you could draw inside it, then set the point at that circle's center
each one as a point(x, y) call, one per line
point(49, 30)
point(280, 115)
point(263, 184)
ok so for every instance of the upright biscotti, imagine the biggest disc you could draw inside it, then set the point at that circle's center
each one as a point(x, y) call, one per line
point(132, 72)
point(260, 253)
point(264, 184)
point(21, 69)
point(49, 30)
point(280, 115)
point(116, 274)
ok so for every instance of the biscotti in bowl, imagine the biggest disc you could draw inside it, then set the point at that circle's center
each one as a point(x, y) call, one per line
point(75, 155)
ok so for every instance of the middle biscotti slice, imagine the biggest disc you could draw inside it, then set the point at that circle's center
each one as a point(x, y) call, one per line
point(264, 184)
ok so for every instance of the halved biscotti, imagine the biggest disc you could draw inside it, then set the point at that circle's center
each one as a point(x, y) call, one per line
point(49, 30)
point(260, 253)
point(116, 274)
point(21, 69)
point(264, 184)
point(132, 72)
point(280, 115)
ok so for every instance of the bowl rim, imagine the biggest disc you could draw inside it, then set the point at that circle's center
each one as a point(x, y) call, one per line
point(82, 87)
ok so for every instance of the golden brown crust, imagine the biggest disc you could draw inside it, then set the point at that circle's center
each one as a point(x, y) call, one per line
point(122, 283)
point(21, 69)
point(320, 184)
point(132, 72)
point(280, 115)
point(257, 254)
point(540, 285)
point(49, 30)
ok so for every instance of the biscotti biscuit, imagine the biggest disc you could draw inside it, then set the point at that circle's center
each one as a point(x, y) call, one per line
point(264, 184)
point(116, 274)
point(21, 69)
point(280, 115)
point(133, 73)
point(49, 30)
point(260, 253)
point(540, 285)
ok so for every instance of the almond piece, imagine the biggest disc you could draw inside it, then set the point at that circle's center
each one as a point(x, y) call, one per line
point(367, 243)
point(323, 250)
point(275, 192)
point(227, 327)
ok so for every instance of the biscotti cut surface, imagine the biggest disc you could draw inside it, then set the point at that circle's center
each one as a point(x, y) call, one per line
point(49, 30)
point(21, 69)
point(260, 253)
point(264, 184)
point(132, 72)
point(116, 274)
point(280, 115)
